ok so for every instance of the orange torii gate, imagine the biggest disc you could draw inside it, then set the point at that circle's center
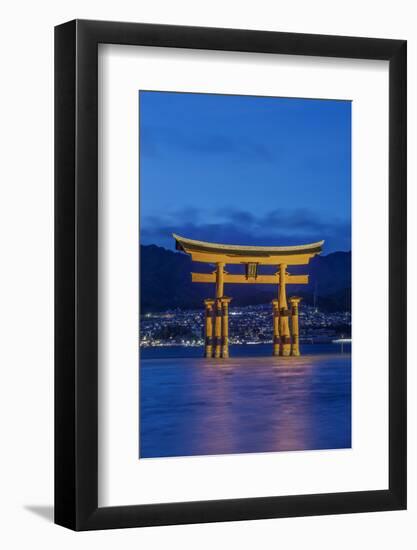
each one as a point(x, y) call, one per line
point(286, 337)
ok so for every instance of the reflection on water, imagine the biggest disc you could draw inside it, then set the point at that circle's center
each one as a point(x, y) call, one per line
point(195, 406)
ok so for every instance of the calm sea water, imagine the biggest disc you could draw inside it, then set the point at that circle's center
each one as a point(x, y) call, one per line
point(251, 402)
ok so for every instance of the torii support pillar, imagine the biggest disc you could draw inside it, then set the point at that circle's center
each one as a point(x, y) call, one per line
point(225, 327)
point(295, 348)
point(284, 327)
point(218, 329)
point(208, 351)
point(218, 311)
point(275, 323)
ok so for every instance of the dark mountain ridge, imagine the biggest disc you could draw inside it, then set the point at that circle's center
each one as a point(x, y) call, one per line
point(165, 282)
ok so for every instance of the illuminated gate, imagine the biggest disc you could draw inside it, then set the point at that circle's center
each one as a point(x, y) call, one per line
point(286, 334)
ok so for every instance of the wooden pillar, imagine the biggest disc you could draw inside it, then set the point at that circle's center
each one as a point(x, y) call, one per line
point(284, 327)
point(218, 312)
point(295, 348)
point(218, 329)
point(219, 280)
point(225, 327)
point(275, 324)
point(208, 349)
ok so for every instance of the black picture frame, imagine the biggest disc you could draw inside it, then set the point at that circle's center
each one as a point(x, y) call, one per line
point(76, 272)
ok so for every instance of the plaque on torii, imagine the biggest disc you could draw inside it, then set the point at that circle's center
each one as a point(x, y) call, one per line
point(286, 334)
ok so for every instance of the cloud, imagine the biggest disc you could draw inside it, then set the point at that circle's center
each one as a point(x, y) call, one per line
point(277, 227)
point(161, 140)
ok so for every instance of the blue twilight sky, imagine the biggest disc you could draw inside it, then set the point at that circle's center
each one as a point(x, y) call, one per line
point(245, 170)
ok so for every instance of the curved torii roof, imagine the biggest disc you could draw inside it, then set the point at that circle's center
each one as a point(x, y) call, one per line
point(202, 251)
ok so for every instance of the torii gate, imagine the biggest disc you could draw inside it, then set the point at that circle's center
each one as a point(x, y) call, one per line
point(285, 342)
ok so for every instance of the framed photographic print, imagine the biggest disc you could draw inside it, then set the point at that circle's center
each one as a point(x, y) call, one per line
point(230, 275)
